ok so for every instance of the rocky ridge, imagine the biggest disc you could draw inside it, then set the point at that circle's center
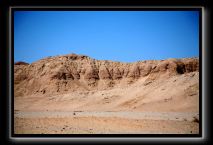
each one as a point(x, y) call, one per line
point(68, 73)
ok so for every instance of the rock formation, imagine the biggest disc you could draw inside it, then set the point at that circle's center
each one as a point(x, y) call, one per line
point(68, 73)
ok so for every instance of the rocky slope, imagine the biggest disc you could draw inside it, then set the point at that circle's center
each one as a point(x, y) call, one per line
point(75, 94)
point(70, 73)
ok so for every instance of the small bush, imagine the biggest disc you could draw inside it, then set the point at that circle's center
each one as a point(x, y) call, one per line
point(195, 119)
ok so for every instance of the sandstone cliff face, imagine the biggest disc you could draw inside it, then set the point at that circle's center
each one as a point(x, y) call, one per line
point(62, 74)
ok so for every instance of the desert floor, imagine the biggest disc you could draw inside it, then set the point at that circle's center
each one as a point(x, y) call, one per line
point(105, 123)
point(161, 107)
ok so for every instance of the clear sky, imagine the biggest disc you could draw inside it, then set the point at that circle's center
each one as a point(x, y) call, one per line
point(125, 36)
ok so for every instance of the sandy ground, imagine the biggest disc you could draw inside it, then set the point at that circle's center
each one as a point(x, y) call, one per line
point(159, 107)
point(106, 122)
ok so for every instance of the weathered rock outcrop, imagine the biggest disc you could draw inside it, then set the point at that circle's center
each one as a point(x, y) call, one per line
point(73, 72)
point(21, 63)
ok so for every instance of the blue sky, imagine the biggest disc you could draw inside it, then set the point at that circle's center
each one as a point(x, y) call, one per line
point(126, 36)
